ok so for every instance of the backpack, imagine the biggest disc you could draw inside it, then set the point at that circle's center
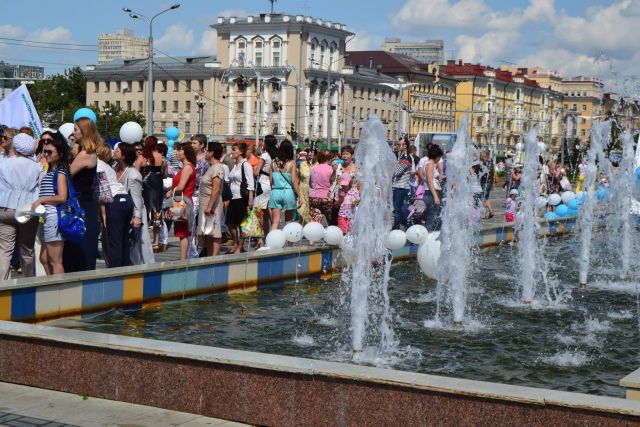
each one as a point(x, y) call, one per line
point(70, 215)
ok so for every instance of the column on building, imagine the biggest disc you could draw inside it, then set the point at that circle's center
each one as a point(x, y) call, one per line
point(307, 111)
point(230, 108)
point(249, 99)
point(316, 110)
point(266, 108)
point(335, 130)
point(282, 127)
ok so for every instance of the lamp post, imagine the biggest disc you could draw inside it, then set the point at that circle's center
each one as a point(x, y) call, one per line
point(200, 102)
point(136, 15)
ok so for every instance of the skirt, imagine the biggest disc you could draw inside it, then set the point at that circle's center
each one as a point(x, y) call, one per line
point(236, 211)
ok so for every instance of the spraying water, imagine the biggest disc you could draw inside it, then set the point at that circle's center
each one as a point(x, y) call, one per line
point(625, 176)
point(527, 230)
point(369, 274)
point(600, 134)
point(458, 228)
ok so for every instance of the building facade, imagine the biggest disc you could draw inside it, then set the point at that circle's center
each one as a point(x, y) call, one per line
point(178, 84)
point(503, 106)
point(121, 44)
point(11, 76)
point(583, 97)
point(428, 51)
point(428, 98)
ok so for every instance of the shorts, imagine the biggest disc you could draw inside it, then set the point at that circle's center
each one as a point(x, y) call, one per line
point(509, 217)
point(283, 198)
point(49, 232)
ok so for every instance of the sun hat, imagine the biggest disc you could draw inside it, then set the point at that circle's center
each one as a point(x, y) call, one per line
point(24, 144)
point(513, 192)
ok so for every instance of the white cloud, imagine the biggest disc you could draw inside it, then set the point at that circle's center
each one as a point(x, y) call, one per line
point(613, 29)
point(11, 31)
point(469, 15)
point(177, 39)
point(207, 44)
point(54, 35)
point(364, 40)
point(488, 48)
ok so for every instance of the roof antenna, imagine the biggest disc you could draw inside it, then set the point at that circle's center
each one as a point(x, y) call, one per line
point(272, 3)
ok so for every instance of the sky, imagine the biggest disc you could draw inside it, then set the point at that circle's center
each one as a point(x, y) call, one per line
point(595, 38)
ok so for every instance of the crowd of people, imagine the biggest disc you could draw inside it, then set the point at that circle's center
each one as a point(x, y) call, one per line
point(129, 196)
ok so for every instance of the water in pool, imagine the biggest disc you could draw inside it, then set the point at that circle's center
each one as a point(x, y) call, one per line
point(586, 340)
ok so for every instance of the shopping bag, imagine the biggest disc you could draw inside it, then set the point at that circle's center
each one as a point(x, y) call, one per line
point(251, 226)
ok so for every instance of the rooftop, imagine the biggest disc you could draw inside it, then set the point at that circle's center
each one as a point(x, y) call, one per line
point(278, 18)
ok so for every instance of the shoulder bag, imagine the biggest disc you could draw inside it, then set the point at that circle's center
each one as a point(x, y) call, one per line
point(244, 186)
point(70, 215)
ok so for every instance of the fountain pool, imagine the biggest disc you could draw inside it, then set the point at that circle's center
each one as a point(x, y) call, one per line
point(586, 342)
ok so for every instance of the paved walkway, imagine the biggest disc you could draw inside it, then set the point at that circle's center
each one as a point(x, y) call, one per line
point(22, 406)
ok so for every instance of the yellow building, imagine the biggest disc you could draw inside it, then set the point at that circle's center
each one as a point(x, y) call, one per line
point(503, 106)
point(583, 104)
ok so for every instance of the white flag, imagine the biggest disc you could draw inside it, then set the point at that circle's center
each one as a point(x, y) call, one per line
point(17, 110)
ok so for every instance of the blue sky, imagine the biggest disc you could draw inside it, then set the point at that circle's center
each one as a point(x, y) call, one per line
point(590, 37)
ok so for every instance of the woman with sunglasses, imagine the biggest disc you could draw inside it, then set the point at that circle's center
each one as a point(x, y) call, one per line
point(56, 153)
point(45, 139)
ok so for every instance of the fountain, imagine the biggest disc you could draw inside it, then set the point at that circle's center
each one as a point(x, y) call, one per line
point(458, 228)
point(527, 229)
point(600, 133)
point(624, 180)
point(368, 275)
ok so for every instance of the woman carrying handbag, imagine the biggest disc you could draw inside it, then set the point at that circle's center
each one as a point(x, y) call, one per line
point(182, 189)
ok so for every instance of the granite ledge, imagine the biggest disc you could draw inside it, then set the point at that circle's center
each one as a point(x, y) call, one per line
point(334, 370)
point(632, 380)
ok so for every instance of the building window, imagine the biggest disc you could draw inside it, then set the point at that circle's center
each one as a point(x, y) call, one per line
point(323, 51)
point(489, 89)
point(140, 86)
point(187, 106)
point(187, 127)
point(332, 52)
point(187, 86)
point(584, 107)
point(574, 107)
point(517, 94)
point(242, 52)
point(163, 107)
point(106, 104)
point(96, 105)
point(95, 87)
point(240, 107)
point(239, 128)
point(175, 106)
point(275, 53)
point(118, 104)
point(163, 85)
point(201, 85)
point(583, 120)
point(140, 106)
point(257, 48)
point(107, 86)
point(174, 124)
point(163, 125)
point(128, 105)
point(176, 85)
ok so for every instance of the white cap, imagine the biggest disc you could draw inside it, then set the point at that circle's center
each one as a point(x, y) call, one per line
point(24, 144)
point(513, 192)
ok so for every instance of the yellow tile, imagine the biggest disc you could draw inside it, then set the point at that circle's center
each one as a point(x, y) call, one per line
point(243, 277)
point(315, 262)
point(133, 288)
point(5, 305)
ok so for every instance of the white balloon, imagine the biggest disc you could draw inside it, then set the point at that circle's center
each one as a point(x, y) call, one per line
point(66, 129)
point(428, 256)
point(333, 235)
point(540, 202)
point(348, 249)
point(313, 231)
point(519, 147)
point(566, 196)
point(293, 232)
point(417, 234)
point(131, 132)
point(276, 239)
point(395, 240)
point(554, 199)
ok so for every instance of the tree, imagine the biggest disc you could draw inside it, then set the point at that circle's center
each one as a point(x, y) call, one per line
point(58, 97)
point(615, 144)
point(111, 118)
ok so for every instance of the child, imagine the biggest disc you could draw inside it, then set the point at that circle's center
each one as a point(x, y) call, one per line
point(511, 206)
point(348, 207)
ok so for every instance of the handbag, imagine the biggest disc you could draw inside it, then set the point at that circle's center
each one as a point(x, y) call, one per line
point(244, 186)
point(70, 215)
point(179, 210)
point(226, 192)
point(102, 190)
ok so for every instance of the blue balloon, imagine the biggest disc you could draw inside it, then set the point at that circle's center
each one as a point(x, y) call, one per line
point(562, 210)
point(638, 172)
point(85, 112)
point(601, 194)
point(550, 215)
point(573, 212)
point(172, 133)
point(573, 204)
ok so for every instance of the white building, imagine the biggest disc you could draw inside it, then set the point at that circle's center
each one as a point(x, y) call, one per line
point(428, 51)
point(121, 44)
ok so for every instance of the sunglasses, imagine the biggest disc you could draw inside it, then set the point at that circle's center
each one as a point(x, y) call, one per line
point(46, 140)
point(138, 149)
point(47, 152)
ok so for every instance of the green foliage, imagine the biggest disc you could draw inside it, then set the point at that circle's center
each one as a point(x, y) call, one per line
point(57, 98)
point(616, 130)
point(111, 118)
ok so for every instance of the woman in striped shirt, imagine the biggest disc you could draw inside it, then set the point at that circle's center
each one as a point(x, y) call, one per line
point(56, 154)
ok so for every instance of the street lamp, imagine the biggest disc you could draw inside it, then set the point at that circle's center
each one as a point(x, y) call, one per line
point(136, 15)
point(200, 102)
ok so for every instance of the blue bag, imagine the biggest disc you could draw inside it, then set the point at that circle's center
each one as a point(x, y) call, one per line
point(70, 214)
